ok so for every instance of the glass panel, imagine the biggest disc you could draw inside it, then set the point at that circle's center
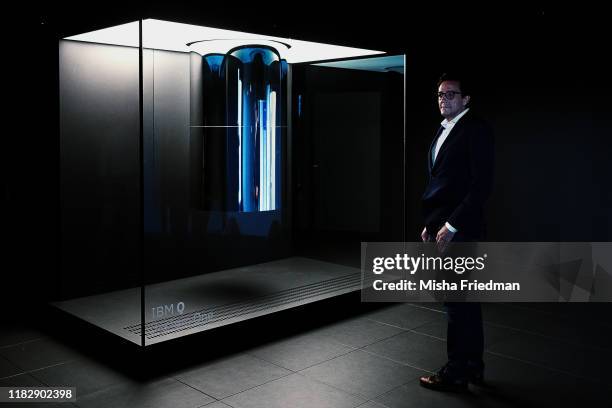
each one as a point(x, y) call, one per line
point(260, 173)
point(349, 156)
point(222, 149)
point(100, 179)
point(215, 176)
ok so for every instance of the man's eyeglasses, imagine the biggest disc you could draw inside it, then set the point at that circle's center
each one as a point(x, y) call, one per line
point(449, 96)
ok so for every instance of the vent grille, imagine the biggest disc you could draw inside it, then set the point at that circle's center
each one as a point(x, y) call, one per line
point(241, 310)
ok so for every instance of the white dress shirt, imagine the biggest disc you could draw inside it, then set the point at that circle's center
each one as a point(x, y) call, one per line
point(448, 125)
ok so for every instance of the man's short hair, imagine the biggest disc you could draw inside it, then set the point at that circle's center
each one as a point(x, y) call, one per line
point(464, 83)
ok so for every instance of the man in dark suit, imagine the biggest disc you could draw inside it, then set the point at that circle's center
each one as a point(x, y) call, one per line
point(460, 164)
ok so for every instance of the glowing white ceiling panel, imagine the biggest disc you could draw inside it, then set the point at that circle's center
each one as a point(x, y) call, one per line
point(167, 35)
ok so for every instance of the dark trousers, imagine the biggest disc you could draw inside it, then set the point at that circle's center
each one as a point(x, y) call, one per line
point(465, 334)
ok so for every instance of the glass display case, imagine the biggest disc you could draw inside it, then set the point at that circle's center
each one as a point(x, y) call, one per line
point(211, 176)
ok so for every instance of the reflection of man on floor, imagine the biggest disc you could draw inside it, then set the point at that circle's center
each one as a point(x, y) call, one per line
point(460, 179)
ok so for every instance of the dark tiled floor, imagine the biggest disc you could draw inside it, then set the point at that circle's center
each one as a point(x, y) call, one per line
point(362, 373)
point(574, 326)
point(86, 375)
point(21, 380)
point(15, 333)
point(295, 391)
point(155, 394)
point(579, 361)
point(510, 384)
point(423, 352)
point(39, 353)
point(406, 316)
point(493, 333)
point(351, 355)
point(7, 368)
point(359, 332)
point(301, 351)
point(372, 404)
point(231, 375)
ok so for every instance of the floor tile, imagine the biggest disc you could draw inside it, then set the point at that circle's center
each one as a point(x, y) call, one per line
point(15, 333)
point(37, 354)
point(86, 375)
point(577, 360)
point(362, 373)
point(358, 332)
point(429, 305)
point(413, 395)
point(295, 391)
point(301, 351)
point(492, 334)
point(7, 368)
point(157, 394)
point(598, 312)
point(510, 384)
point(576, 330)
point(414, 349)
point(21, 380)
point(372, 404)
point(232, 375)
point(217, 404)
point(512, 317)
point(405, 316)
point(521, 383)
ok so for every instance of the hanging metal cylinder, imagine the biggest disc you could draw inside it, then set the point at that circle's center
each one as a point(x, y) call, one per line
point(255, 95)
point(242, 122)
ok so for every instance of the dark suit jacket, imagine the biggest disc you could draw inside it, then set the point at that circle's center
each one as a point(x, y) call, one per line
point(461, 178)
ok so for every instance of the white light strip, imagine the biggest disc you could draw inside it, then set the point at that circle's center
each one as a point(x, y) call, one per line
point(239, 140)
point(272, 115)
point(268, 150)
point(261, 153)
point(167, 35)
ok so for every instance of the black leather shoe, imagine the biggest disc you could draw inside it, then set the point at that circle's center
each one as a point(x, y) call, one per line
point(444, 381)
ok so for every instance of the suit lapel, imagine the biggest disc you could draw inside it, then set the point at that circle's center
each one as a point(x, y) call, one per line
point(457, 129)
point(432, 146)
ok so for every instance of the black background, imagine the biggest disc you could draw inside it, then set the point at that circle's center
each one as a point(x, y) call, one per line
point(543, 80)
